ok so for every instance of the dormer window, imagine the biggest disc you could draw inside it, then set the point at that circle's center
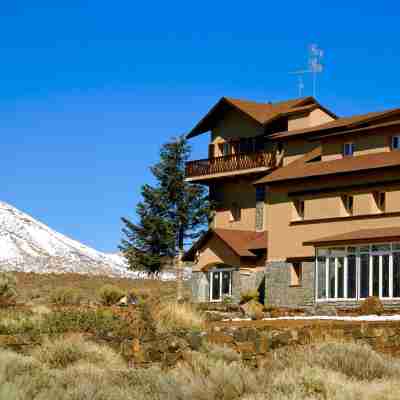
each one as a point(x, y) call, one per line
point(396, 142)
point(348, 202)
point(348, 149)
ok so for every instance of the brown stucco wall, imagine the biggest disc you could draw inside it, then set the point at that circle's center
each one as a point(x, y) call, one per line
point(285, 240)
point(216, 251)
point(374, 141)
point(296, 149)
point(235, 125)
point(243, 193)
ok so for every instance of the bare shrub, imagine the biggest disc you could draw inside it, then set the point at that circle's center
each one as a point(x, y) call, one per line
point(371, 305)
point(355, 361)
point(249, 295)
point(62, 353)
point(110, 295)
point(8, 288)
point(223, 353)
point(172, 316)
point(67, 297)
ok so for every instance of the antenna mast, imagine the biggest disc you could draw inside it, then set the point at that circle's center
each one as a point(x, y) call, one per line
point(314, 68)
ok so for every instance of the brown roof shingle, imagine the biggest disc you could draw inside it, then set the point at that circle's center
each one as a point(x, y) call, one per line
point(344, 165)
point(239, 241)
point(359, 236)
point(262, 113)
point(340, 123)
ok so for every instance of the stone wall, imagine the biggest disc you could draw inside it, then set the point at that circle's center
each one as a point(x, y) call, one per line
point(255, 342)
point(279, 292)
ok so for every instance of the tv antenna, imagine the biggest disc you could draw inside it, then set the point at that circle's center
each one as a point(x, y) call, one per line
point(315, 67)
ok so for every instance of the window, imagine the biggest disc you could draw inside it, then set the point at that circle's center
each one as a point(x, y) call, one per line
point(348, 203)
point(380, 199)
point(348, 149)
point(299, 206)
point(225, 148)
point(358, 272)
point(236, 212)
point(296, 274)
point(395, 142)
point(220, 285)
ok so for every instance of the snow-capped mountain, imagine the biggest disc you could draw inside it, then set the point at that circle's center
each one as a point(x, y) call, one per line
point(28, 245)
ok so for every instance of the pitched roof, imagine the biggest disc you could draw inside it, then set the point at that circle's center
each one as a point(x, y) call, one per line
point(359, 236)
point(239, 241)
point(344, 123)
point(261, 113)
point(304, 169)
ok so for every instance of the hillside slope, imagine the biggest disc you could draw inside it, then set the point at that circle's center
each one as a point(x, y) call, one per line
point(28, 245)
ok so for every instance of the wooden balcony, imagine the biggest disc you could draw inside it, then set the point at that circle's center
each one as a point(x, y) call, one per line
point(229, 165)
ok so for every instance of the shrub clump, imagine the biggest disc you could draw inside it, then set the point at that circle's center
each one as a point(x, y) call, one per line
point(110, 295)
point(371, 305)
point(8, 288)
point(67, 297)
point(172, 317)
point(249, 295)
point(62, 353)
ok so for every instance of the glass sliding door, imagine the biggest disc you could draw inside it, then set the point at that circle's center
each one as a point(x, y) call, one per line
point(220, 285)
point(340, 277)
point(385, 279)
point(364, 276)
point(351, 276)
point(332, 278)
point(358, 272)
point(375, 275)
point(215, 286)
point(396, 274)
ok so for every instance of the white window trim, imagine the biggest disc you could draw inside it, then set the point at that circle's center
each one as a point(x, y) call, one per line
point(219, 271)
point(358, 297)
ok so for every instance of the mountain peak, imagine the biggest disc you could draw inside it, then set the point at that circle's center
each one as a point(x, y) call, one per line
point(28, 245)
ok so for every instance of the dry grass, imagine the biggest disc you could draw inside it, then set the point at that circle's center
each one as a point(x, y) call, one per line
point(39, 288)
point(172, 316)
point(63, 353)
point(212, 375)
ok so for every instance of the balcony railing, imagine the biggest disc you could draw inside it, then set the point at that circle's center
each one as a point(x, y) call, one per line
point(230, 163)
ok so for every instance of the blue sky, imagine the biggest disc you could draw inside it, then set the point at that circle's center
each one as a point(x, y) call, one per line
point(90, 90)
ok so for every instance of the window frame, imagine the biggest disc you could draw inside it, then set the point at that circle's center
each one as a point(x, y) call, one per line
point(211, 280)
point(392, 141)
point(348, 203)
point(348, 146)
point(384, 253)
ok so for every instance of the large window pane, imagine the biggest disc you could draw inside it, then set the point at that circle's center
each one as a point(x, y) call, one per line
point(375, 275)
point(321, 265)
point(226, 282)
point(340, 277)
point(215, 276)
point(331, 277)
point(351, 276)
point(385, 275)
point(396, 274)
point(364, 275)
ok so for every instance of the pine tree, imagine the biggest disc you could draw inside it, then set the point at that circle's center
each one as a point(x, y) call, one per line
point(170, 213)
point(188, 204)
point(152, 238)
